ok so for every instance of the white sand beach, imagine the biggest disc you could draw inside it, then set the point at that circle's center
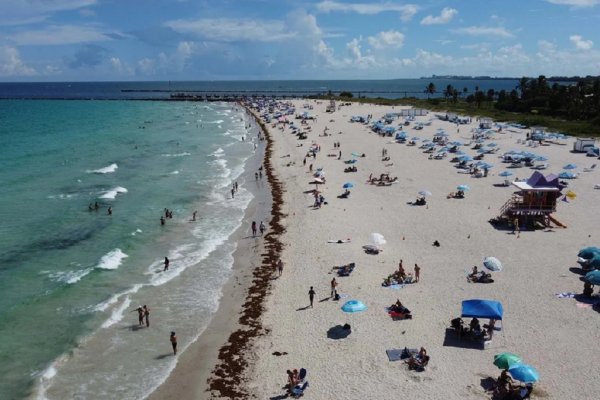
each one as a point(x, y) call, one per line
point(559, 337)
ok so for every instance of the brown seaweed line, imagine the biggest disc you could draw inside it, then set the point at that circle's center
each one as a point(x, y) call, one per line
point(226, 380)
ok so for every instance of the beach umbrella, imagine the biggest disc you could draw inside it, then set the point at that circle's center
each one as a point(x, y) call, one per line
point(463, 188)
point(524, 373)
point(348, 185)
point(587, 253)
point(506, 360)
point(483, 164)
point(593, 277)
point(425, 193)
point(492, 145)
point(352, 306)
point(541, 158)
point(465, 158)
point(482, 150)
point(356, 154)
point(594, 262)
point(377, 239)
point(492, 263)
point(459, 152)
point(415, 138)
point(570, 166)
point(505, 173)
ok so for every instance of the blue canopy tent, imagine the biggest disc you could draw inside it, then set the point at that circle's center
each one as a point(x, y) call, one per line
point(482, 309)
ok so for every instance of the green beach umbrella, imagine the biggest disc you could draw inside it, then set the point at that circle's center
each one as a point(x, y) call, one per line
point(506, 360)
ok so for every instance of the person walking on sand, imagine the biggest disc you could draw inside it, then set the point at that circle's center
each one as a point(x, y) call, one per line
point(253, 228)
point(232, 193)
point(333, 287)
point(147, 315)
point(417, 272)
point(166, 264)
point(311, 296)
point(280, 266)
point(173, 340)
point(262, 228)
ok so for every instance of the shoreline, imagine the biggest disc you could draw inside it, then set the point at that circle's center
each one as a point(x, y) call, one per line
point(204, 366)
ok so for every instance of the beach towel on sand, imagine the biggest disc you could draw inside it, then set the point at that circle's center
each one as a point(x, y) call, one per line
point(565, 295)
point(400, 354)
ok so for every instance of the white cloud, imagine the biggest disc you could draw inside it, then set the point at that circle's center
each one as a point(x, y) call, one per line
point(580, 43)
point(11, 63)
point(232, 30)
point(21, 12)
point(446, 16)
point(407, 11)
point(59, 35)
point(389, 38)
point(484, 31)
point(575, 3)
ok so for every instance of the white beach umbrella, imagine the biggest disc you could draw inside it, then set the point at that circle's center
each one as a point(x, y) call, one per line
point(492, 263)
point(377, 239)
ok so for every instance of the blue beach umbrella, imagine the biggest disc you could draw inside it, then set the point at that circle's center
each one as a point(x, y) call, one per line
point(593, 277)
point(483, 164)
point(524, 373)
point(587, 253)
point(570, 166)
point(505, 173)
point(352, 306)
point(425, 193)
point(463, 188)
point(541, 158)
point(465, 158)
point(415, 138)
point(594, 262)
point(482, 150)
point(492, 145)
point(348, 185)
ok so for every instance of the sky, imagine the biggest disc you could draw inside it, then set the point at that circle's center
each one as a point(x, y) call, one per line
point(148, 40)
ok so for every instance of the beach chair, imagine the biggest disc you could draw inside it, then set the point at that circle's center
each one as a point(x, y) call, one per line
point(298, 391)
point(540, 166)
point(590, 169)
point(506, 182)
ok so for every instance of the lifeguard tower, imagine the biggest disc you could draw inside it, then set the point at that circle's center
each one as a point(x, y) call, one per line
point(534, 203)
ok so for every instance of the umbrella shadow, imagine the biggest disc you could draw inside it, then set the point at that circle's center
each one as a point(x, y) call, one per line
point(338, 332)
point(451, 339)
point(578, 271)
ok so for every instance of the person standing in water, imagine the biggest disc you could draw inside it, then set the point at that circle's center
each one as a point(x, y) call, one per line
point(109, 210)
point(173, 340)
point(166, 264)
point(194, 215)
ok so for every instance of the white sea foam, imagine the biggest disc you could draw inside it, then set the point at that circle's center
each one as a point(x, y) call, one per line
point(106, 170)
point(112, 260)
point(105, 305)
point(68, 277)
point(184, 154)
point(218, 153)
point(174, 172)
point(112, 193)
point(117, 313)
point(63, 196)
point(219, 121)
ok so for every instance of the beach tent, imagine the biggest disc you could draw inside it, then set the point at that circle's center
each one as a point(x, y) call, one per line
point(482, 309)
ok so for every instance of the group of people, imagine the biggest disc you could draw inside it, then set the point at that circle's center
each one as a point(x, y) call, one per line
point(262, 227)
point(384, 179)
point(479, 276)
point(505, 389)
point(168, 215)
point(399, 308)
point(401, 276)
point(418, 361)
point(474, 331)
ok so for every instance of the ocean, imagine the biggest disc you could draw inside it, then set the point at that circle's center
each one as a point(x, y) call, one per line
point(70, 278)
point(393, 88)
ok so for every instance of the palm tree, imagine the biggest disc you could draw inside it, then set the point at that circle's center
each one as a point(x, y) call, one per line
point(430, 89)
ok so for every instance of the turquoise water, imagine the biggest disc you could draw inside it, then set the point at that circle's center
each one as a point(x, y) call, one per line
point(69, 277)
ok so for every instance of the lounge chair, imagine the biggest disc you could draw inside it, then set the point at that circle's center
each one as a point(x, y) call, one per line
point(590, 169)
point(540, 166)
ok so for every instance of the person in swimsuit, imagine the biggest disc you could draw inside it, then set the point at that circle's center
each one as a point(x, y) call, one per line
point(166, 264)
point(173, 340)
point(147, 315)
point(140, 312)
